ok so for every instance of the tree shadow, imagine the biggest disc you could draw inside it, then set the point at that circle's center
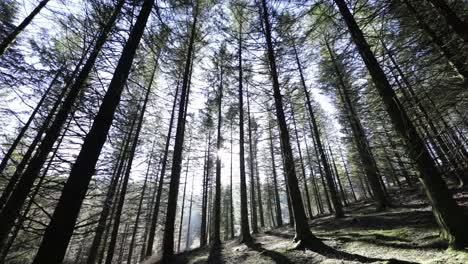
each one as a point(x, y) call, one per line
point(275, 256)
point(388, 220)
point(215, 256)
point(391, 242)
point(332, 253)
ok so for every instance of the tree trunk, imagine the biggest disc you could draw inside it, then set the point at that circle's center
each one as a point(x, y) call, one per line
point(347, 173)
point(140, 205)
point(6, 43)
point(154, 218)
point(454, 58)
point(11, 210)
point(448, 214)
point(123, 192)
point(306, 188)
point(259, 186)
point(183, 197)
point(187, 241)
point(60, 229)
point(168, 238)
point(92, 255)
point(253, 202)
point(245, 229)
point(328, 174)
point(217, 200)
point(231, 202)
point(303, 235)
point(359, 136)
point(322, 178)
point(279, 216)
point(340, 186)
point(206, 173)
point(18, 138)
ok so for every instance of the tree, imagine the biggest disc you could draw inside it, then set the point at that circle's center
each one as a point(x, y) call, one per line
point(60, 229)
point(19, 195)
point(359, 136)
point(448, 214)
point(168, 239)
point(10, 38)
point(303, 236)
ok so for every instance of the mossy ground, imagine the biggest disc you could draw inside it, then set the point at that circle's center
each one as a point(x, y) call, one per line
point(405, 233)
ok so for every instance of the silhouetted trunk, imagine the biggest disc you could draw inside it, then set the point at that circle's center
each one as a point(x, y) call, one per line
point(11, 210)
point(279, 216)
point(217, 200)
point(92, 255)
point(183, 197)
point(359, 135)
point(159, 189)
point(318, 199)
point(187, 240)
point(303, 235)
point(245, 229)
point(23, 218)
point(445, 152)
point(123, 243)
point(204, 209)
point(10, 187)
point(340, 186)
point(456, 59)
point(253, 200)
point(231, 202)
point(318, 143)
point(140, 205)
point(322, 178)
point(18, 138)
point(60, 229)
point(389, 162)
point(299, 150)
point(259, 186)
point(448, 214)
point(123, 192)
point(348, 177)
point(12, 36)
point(288, 197)
point(168, 238)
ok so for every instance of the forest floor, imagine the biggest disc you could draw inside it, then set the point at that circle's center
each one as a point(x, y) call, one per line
point(406, 233)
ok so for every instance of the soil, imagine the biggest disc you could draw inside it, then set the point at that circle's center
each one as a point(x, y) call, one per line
point(405, 233)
